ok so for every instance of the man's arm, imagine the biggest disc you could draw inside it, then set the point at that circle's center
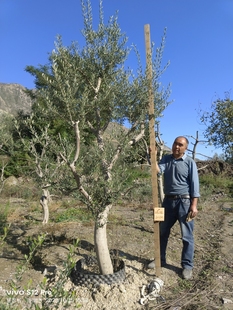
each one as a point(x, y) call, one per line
point(194, 192)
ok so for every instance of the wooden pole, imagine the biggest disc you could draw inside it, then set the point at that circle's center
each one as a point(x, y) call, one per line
point(153, 149)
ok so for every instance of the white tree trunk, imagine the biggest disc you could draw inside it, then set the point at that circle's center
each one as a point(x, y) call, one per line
point(161, 191)
point(160, 177)
point(44, 201)
point(101, 246)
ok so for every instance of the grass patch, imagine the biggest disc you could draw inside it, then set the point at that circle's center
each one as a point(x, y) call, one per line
point(74, 215)
point(211, 184)
point(116, 219)
point(4, 226)
point(3, 217)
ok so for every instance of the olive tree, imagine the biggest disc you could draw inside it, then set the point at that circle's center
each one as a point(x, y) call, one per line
point(219, 122)
point(82, 95)
point(6, 144)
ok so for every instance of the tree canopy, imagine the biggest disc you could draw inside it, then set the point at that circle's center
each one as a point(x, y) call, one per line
point(79, 94)
point(219, 123)
point(92, 86)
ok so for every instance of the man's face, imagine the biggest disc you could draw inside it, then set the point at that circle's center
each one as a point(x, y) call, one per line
point(179, 147)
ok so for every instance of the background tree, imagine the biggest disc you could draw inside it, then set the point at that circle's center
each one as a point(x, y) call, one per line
point(81, 94)
point(196, 139)
point(219, 122)
point(6, 144)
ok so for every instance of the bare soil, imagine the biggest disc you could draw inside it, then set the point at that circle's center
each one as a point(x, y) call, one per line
point(130, 230)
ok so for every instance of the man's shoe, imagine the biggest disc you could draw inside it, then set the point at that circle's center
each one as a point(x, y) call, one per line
point(151, 265)
point(187, 274)
point(163, 264)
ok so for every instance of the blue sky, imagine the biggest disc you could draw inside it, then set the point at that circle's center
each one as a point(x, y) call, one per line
point(199, 47)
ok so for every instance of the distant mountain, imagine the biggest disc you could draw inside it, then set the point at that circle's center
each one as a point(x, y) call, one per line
point(13, 99)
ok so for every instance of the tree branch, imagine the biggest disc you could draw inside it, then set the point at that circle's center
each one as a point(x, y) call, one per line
point(139, 136)
point(77, 135)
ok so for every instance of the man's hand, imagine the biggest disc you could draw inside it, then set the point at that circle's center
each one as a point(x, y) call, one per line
point(193, 208)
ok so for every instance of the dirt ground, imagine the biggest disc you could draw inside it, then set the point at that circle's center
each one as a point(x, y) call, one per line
point(130, 230)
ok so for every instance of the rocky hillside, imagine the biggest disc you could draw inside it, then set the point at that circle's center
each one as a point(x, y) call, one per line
point(13, 99)
point(215, 167)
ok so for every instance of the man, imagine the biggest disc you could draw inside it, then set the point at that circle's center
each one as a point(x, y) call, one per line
point(181, 189)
